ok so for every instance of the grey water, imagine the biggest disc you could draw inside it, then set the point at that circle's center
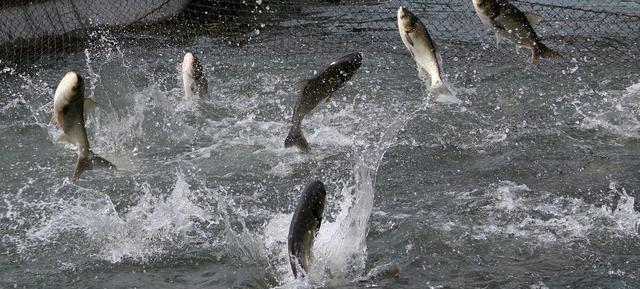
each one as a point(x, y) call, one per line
point(530, 183)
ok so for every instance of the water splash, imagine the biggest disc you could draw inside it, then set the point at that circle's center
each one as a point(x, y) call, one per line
point(148, 229)
point(340, 249)
point(617, 113)
point(510, 209)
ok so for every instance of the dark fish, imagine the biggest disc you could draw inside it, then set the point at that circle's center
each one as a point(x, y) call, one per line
point(305, 226)
point(317, 89)
point(511, 23)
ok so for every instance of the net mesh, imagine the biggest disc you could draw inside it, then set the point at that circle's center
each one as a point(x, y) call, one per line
point(607, 29)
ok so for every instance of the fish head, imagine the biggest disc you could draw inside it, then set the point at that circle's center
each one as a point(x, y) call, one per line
point(483, 4)
point(191, 66)
point(188, 63)
point(347, 65)
point(70, 89)
point(407, 21)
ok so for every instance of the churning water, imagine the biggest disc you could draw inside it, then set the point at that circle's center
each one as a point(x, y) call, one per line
point(530, 183)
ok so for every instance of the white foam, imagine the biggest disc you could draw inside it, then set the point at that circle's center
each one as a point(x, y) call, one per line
point(145, 230)
point(616, 113)
point(515, 210)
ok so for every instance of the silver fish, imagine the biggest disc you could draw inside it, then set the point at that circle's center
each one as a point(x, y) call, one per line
point(305, 226)
point(510, 23)
point(69, 105)
point(317, 89)
point(193, 79)
point(422, 48)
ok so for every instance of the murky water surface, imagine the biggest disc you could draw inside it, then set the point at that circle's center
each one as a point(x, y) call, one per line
point(529, 184)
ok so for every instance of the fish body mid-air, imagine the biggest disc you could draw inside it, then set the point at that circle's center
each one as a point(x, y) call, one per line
point(318, 89)
point(193, 79)
point(510, 23)
point(69, 106)
point(416, 38)
point(305, 225)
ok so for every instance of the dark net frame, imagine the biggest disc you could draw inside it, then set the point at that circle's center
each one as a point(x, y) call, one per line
point(582, 29)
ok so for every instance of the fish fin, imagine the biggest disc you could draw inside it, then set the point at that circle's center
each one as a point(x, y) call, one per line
point(64, 137)
point(443, 93)
point(100, 163)
point(89, 104)
point(498, 38)
point(440, 88)
point(533, 18)
point(546, 52)
point(90, 163)
point(302, 83)
point(534, 56)
point(296, 138)
point(408, 37)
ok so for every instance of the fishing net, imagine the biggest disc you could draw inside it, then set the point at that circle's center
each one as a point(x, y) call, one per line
point(29, 30)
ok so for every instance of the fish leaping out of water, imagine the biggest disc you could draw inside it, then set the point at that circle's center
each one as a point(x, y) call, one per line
point(69, 105)
point(305, 226)
point(318, 89)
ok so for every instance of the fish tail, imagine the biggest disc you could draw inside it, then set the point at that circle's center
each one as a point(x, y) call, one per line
point(91, 162)
point(443, 93)
point(440, 88)
point(296, 138)
point(546, 52)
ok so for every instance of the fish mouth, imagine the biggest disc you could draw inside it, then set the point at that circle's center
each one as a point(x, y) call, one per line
point(71, 87)
point(402, 12)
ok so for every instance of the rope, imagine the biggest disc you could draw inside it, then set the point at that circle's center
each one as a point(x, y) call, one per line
point(74, 8)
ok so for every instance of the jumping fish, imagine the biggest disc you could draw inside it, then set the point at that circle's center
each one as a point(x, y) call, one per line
point(69, 105)
point(305, 226)
point(317, 89)
point(509, 22)
point(193, 79)
point(416, 38)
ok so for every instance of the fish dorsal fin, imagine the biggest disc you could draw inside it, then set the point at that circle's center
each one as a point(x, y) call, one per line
point(64, 137)
point(533, 18)
point(89, 104)
point(302, 83)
